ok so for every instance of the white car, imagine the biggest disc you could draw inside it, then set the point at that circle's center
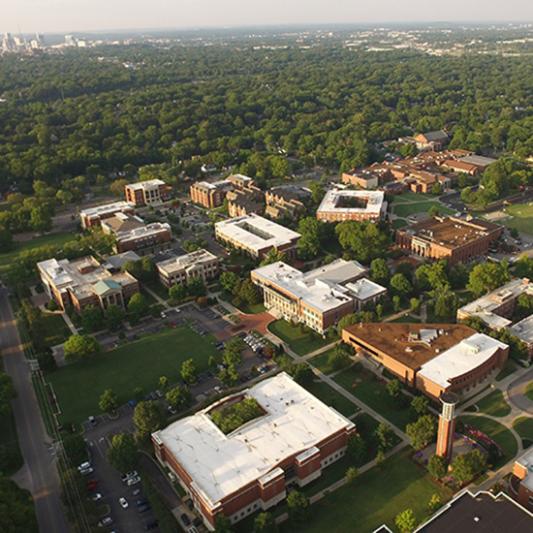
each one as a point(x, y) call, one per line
point(123, 503)
point(96, 497)
point(133, 481)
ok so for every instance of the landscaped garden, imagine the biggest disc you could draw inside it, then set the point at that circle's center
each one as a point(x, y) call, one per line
point(375, 498)
point(138, 364)
point(524, 427)
point(301, 339)
point(497, 432)
point(331, 397)
point(364, 385)
point(494, 404)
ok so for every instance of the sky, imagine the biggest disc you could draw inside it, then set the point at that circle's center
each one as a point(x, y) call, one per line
point(86, 15)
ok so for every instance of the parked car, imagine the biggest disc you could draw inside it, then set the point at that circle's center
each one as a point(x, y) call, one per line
point(96, 497)
point(144, 508)
point(91, 484)
point(92, 421)
point(133, 481)
point(185, 519)
point(126, 476)
point(136, 492)
point(142, 501)
point(107, 521)
point(123, 503)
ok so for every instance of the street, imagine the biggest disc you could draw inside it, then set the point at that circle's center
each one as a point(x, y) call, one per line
point(39, 474)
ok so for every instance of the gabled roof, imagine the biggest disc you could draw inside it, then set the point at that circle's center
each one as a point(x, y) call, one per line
point(105, 286)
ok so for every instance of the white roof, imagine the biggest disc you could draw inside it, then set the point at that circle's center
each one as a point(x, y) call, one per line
point(314, 288)
point(220, 464)
point(465, 356)
point(148, 184)
point(142, 232)
point(185, 262)
point(374, 202)
point(105, 209)
point(527, 462)
point(524, 329)
point(363, 289)
point(255, 232)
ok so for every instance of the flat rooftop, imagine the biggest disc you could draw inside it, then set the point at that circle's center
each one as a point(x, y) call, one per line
point(523, 329)
point(145, 185)
point(105, 209)
point(337, 200)
point(451, 232)
point(363, 289)
point(482, 512)
point(255, 232)
point(411, 344)
point(220, 464)
point(478, 160)
point(183, 262)
point(319, 288)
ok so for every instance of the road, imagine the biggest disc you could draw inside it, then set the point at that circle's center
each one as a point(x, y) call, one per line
point(516, 392)
point(39, 474)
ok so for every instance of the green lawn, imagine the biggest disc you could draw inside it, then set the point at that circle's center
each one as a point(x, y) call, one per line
point(522, 217)
point(399, 223)
point(252, 309)
point(331, 397)
point(321, 361)
point(78, 386)
point(56, 330)
point(529, 391)
point(302, 341)
point(365, 386)
point(159, 289)
point(406, 319)
point(496, 431)
point(410, 197)
point(57, 239)
point(524, 427)
point(494, 404)
point(375, 498)
point(406, 209)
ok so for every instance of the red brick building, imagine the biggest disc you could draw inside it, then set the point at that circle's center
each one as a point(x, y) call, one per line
point(294, 438)
point(521, 485)
point(150, 192)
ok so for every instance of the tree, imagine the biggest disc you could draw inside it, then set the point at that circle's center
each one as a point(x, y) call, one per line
point(80, 347)
point(401, 285)
point(114, 315)
point(196, 287)
point(7, 393)
point(137, 306)
point(298, 505)
point(188, 371)
point(108, 402)
point(122, 452)
point(351, 474)
point(366, 240)
point(228, 375)
point(6, 239)
point(421, 432)
point(249, 293)
point(467, 466)
point(163, 382)
point(339, 358)
point(396, 303)
point(486, 277)
point(232, 351)
point(177, 293)
point(117, 187)
point(309, 243)
point(265, 523)
point(385, 436)
point(356, 449)
point(380, 457)
point(379, 271)
point(178, 397)
point(92, 318)
point(437, 466)
point(229, 281)
point(273, 256)
point(17, 512)
point(434, 503)
point(414, 305)
point(345, 321)
point(445, 303)
point(420, 405)
point(76, 449)
point(405, 521)
point(41, 219)
point(147, 418)
point(222, 524)
point(394, 388)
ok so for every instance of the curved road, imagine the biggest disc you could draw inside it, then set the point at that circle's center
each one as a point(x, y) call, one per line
point(39, 474)
point(516, 391)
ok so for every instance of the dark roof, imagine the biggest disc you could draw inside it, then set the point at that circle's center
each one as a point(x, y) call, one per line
point(438, 135)
point(480, 513)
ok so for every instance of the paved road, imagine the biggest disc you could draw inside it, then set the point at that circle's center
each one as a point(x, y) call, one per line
point(516, 392)
point(39, 474)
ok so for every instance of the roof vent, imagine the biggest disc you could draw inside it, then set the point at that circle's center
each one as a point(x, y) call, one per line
point(476, 519)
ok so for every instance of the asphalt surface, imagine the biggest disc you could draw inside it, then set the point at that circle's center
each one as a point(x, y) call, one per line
point(39, 474)
point(516, 392)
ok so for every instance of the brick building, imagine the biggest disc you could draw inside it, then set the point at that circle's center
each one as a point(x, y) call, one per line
point(521, 483)
point(434, 358)
point(367, 178)
point(212, 194)
point(286, 202)
point(432, 140)
point(198, 264)
point(256, 235)
point(250, 469)
point(150, 192)
point(454, 239)
point(339, 205)
point(92, 216)
point(84, 282)
point(318, 298)
point(245, 199)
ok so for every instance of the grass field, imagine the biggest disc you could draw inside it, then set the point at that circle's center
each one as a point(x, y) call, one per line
point(496, 431)
point(321, 361)
point(524, 427)
point(494, 404)
point(375, 498)
point(332, 398)
point(365, 386)
point(56, 330)
point(302, 342)
point(529, 391)
point(78, 386)
point(406, 209)
point(57, 239)
point(522, 217)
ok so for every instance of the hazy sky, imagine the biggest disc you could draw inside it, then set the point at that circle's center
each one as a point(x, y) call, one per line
point(81, 15)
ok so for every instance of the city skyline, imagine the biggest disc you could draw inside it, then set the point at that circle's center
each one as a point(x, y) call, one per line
point(60, 16)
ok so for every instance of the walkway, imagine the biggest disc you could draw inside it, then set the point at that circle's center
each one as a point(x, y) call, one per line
point(516, 390)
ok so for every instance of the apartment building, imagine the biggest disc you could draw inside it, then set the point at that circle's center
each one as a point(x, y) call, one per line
point(150, 192)
point(455, 239)
point(434, 358)
point(82, 282)
point(290, 443)
point(318, 298)
point(342, 204)
point(180, 269)
point(432, 140)
point(287, 202)
point(92, 216)
point(256, 235)
point(244, 198)
point(212, 194)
